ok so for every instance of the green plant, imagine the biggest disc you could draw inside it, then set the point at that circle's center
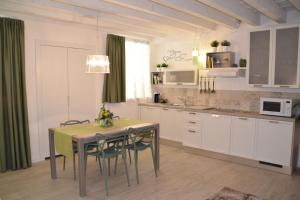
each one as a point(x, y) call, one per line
point(214, 43)
point(243, 62)
point(164, 65)
point(225, 43)
point(158, 65)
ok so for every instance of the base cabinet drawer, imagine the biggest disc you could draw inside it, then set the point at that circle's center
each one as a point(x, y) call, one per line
point(192, 138)
point(274, 141)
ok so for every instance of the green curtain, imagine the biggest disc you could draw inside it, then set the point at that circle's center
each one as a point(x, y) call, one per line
point(114, 88)
point(14, 130)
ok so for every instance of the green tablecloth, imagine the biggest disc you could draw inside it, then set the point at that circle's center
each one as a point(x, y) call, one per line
point(63, 136)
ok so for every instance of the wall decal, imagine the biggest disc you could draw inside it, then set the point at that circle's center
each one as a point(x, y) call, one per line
point(177, 56)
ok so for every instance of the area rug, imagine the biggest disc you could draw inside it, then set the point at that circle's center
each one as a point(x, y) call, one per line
point(230, 194)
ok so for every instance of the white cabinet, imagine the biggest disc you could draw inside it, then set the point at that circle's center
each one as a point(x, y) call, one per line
point(150, 114)
point(274, 57)
point(286, 57)
point(274, 141)
point(170, 121)
point(216, 133)
point(260, 57)
point(242, 137)
point(192, 129)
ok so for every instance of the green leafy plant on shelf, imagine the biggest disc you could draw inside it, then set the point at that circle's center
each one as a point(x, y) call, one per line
point(164, 65)
point(225, 43)
point(214, 43)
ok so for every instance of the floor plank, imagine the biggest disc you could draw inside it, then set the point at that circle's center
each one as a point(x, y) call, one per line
point(182, 176)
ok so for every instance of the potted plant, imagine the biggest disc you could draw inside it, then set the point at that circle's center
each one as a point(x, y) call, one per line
point(158, 67)
point(214, 44)
point(105, 117)
point(243, 62)
point(225, 44)
point(164, 65)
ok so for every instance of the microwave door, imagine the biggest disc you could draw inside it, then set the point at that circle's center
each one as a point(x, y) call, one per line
point(272, 106)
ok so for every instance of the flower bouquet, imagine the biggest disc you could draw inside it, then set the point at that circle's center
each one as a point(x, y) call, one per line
point(105, 117)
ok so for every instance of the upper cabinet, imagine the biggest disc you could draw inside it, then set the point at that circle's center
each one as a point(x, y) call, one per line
point(259, 62)
point(286, 56)
point(274, 57)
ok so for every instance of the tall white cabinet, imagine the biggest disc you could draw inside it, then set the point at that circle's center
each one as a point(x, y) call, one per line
point(274, 57)
point(64, 91)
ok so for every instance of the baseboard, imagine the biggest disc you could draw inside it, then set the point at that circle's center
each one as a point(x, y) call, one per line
point(171, 143)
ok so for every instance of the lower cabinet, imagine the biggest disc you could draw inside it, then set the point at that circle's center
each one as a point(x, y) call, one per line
point(150, 114)
point(274, 141)
point(242, 137)
point(192, 130)
point(216, 133)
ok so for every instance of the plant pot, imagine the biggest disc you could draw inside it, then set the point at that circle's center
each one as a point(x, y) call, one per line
point(214, 49)
point(158, 69)
point(106, 122)
point(224, 48)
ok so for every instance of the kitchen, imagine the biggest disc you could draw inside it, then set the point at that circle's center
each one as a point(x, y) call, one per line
point(225, 93)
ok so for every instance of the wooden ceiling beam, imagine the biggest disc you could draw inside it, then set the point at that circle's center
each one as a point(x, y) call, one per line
point(201, 10)
point(234, 9)
point(269, 8)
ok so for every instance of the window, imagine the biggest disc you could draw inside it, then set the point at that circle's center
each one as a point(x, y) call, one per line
point(137, 69)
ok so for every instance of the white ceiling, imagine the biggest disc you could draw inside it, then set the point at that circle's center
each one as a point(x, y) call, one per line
point(154, 18)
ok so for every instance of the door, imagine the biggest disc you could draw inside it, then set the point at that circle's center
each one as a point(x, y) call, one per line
point(242, 137)
point(216, 133)
point(259, 59)
point(274, 141)
point(52, 91)
point(286, 56)
point(82, 95)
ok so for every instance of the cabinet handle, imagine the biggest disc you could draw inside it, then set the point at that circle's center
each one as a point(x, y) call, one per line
point(191, 131)
point(274, 122)
point(191, 122)
point(243, 118)
point(257, 85)
point(165, 109)
point(192, 113)
point(284, 86)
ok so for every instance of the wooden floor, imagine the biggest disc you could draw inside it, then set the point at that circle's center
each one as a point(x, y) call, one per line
point(182, 176)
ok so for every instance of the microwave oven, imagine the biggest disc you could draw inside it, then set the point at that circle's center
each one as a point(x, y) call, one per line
point(277, 106)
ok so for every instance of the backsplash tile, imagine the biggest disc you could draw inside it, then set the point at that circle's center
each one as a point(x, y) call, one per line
point(227, 99)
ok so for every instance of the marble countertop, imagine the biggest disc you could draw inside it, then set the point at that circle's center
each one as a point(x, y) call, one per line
point(220, 111)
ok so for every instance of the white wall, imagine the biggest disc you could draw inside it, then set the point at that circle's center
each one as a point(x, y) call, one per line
point(239, 44)
point(44, 30)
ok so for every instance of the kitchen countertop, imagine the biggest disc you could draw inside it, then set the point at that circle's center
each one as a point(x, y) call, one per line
point(211, 110)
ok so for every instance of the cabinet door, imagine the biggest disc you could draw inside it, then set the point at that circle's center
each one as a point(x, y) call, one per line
point(274, 142)
point(259, 60)
point(82, 90)
point(192, 129)
point(216, 133)
point(286, 56)
point(149, 114)
point(167, 123)
point(52, 92)
point(242, 137)
point(177, 125)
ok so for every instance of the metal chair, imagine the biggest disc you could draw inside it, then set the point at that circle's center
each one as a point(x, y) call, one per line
point(141, 139)
point(107, 148)
point(74, 144)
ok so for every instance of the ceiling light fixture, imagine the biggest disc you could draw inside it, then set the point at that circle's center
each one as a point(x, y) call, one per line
point(97, 63)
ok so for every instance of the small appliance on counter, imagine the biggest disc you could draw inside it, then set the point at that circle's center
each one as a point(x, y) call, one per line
point(277, 106)
point(156, 97)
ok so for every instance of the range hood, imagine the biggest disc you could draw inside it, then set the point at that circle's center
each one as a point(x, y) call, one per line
point(229, 72)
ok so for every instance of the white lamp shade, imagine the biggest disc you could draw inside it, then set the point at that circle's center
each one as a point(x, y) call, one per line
point(97, 64)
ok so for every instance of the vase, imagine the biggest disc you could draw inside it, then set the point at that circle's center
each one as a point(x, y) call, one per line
point(107, 122)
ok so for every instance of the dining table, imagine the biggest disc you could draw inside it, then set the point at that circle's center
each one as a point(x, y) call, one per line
point(61, 139)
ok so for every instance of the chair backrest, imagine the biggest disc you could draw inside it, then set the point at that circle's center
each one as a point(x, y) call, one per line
point(141, 134)
point(115, 142)
point(73, 122)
